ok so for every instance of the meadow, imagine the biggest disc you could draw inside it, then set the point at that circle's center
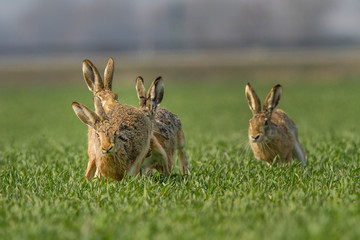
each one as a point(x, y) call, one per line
point(228, 194)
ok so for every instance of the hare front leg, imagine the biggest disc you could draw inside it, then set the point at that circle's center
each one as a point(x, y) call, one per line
point(91, 168)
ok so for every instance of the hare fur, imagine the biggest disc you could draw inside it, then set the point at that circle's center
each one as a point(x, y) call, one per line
point(168, 136)
point(271, 132)
point(108, 99)
point(122, 138)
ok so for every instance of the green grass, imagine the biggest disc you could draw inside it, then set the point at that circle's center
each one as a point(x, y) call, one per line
point(228, 195)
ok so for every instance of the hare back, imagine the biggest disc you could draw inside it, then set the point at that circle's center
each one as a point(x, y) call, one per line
point(280, 118)
point(131, 119)
point(166, 129)
point(166, 119)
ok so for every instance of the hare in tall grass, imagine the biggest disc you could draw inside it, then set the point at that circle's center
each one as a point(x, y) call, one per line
point(168, 135)
point(271, 132)
point(102, 90)
point(162, 146)
point(121, 138)
point(108, 101)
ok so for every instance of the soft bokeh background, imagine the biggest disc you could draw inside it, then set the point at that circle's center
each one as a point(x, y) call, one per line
point(39, 26)
point(189, 36)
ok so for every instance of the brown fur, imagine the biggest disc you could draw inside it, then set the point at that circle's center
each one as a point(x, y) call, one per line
point(109, 99)
point(120, 140)
point(102, 90)
point(162, 148)
point(271, 132)
point(167, 138)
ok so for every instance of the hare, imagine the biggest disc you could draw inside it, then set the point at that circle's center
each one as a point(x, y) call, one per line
point(167, 135)
point(109, 100)
point(271, 132)
point(122, 137)
point(103, 91)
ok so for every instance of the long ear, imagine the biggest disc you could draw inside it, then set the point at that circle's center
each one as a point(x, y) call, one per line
point(108, 74)
point(88, 75)
point(86, 115)
point(272, 99)
point(98, 83)
point(253, 99)
point(99, 110)
point(156, 93)
point(141, 92)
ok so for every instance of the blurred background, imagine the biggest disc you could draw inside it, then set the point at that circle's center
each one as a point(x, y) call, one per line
point(182, 35)
point(40, 26)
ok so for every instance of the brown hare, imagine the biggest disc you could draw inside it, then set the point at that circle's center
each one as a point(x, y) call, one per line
point(122, 138)
point(271, 132)
point(108, 100)
point(103, 91)
point(168, 127)
point(167, 135)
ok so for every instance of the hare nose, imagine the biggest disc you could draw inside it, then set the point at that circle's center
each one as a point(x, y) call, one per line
point(109, 150)
point(256, 138)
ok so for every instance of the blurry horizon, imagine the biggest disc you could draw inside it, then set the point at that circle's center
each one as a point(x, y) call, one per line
point(39, 26)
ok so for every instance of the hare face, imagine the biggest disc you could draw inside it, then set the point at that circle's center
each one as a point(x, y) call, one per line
point(106, 138)
point(259, 128)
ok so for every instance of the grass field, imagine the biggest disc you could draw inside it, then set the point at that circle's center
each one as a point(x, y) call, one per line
point(228, 195)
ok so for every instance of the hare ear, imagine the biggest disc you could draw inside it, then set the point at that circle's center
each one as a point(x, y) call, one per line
point(156, 93)
point(108, 74)
point(86, 115)
point(88, 75)
point(99, 110)
point(98, 83)
point(140, 88)
point(272, 99)
point(253, 99)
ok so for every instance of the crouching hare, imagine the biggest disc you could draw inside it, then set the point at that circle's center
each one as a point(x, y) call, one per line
point(167, 135)
point(121, 138)
point(271, 132)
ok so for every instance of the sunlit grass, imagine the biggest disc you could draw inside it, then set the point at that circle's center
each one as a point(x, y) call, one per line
point(228, 194)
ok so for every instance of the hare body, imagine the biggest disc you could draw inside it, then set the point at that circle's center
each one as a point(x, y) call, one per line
point(168, 137)
point(133, 132)
point(103, 91)
point(120, 138)
point(130, 120)
point(271, 132)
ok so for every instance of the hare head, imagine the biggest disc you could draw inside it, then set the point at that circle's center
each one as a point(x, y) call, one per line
point(260, 124)
point(100, 88)
point(99, 121)
point(150, 101)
